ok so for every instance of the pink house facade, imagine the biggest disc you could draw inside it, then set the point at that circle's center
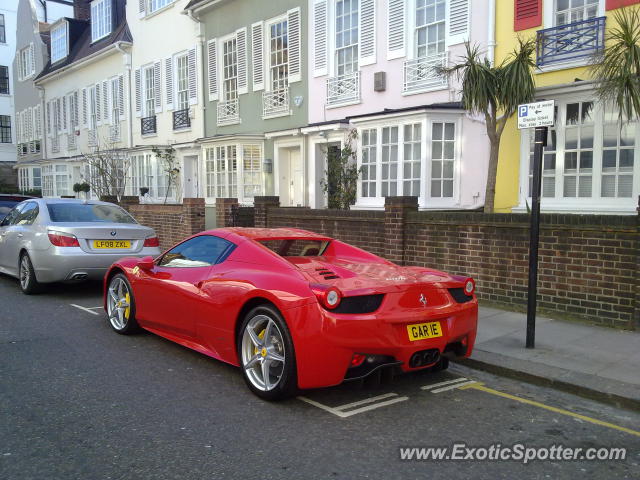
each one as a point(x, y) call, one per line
point(372, 69)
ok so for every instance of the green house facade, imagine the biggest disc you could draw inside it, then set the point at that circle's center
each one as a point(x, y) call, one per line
point(255, 88)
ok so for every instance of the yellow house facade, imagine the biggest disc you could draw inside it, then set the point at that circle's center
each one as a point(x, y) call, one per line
point(592, 162)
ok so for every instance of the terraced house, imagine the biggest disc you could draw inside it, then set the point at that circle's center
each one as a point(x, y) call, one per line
point(592, 160)
point(256, 99)
point(372, 69)
point(85, 101)
point(32, 48)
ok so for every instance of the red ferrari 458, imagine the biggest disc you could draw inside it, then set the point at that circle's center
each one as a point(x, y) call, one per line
point(292, 308)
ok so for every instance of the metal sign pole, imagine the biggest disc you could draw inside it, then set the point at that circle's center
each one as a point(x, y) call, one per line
point(540, 143)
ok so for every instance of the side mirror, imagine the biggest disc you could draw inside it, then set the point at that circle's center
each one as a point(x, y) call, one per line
point(146, 263)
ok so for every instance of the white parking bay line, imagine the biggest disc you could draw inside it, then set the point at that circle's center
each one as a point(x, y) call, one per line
point(369, 404)
point(90, 310)
point(436, 385)
point(451, 387)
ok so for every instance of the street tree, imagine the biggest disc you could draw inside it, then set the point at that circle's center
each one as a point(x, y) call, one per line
point(495, 91)
point(107, 171)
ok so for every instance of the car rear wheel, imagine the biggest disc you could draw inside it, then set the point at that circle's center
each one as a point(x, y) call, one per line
point(266, 354)
point(28, 282)
point(121, 306)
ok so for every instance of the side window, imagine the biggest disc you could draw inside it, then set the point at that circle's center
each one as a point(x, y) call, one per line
point(202, 251)
point(28, 214)
point(11, 217)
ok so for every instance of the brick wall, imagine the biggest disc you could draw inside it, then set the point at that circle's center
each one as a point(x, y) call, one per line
point(172, 223)
point(589, 265)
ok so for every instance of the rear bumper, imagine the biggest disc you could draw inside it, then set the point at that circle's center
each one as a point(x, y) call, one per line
point(325, 343)
point(59, 264)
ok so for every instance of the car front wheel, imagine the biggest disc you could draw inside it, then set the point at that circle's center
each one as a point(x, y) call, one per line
point(121, 306)
point(28, 282)
point(267, 357)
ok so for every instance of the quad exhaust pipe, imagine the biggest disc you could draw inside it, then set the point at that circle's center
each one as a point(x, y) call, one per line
point(424, 358)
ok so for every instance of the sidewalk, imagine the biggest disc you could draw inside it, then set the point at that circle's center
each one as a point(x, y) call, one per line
point(594, 362)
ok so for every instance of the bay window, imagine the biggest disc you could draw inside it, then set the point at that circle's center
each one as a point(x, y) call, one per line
point(591, 159)
point(234, 170)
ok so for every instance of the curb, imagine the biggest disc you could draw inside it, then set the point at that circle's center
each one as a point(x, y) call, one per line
point(616, 400)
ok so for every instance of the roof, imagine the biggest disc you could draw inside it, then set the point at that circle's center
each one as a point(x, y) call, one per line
point(80, 45)
point(273, 233)
point(390, 111)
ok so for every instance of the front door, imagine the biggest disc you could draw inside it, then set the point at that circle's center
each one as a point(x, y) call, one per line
point(191, 187)
point(291, 177)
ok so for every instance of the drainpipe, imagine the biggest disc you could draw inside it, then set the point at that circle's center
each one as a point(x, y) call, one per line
point(44, 6)
point(127, 66)
point(491, 32)
point(201, 44)
point(43, 119)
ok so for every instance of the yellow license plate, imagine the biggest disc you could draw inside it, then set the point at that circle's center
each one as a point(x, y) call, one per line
point(113, 244)
point(420, 331)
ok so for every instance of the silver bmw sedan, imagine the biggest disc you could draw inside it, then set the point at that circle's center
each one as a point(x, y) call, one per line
point(48, 240)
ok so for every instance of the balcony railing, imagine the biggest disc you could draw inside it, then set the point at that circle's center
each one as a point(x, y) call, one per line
point(571, 42)
point(114, 132)
point(92, 138)
point(422, 74)
point(181, 119)
point(72, 144)
point(148, 125)
point(228, 112)
point(344, 89)
point(276, 103)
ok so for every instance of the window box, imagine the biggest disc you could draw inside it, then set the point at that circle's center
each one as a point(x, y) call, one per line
point(181, 119)
point(275, 103)
point(228, 112)
point(148, 125)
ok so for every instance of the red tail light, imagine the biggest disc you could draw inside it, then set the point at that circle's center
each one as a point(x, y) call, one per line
point(329, 297)
point(61, 239)
point(151, 242)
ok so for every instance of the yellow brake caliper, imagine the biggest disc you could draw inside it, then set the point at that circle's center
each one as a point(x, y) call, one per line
point(260, 336)
point(128, 309)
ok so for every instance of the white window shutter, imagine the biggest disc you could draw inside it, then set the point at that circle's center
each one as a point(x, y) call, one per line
point(212, 68)
point(32, 56)
point(192, 76)
point(293, 33)
point(241, 43)
point(367, 32)
point(48, 113)
point(320, 34)
point(142, 8)
point(257, 55)
point(57, 115)
point(38, 121)
point(138, 93)
point(98, 105)
point(85, 111)
point(106, 111)
point(168, 78)
point(458, 21)
point(65, 117)
point(396, 37)
point(121, 97)
point(157, 87)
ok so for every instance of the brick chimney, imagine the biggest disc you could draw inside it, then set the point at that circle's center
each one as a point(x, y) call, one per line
point(81, 9)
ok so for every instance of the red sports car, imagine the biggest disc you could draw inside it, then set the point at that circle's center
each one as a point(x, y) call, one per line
point(292, 308)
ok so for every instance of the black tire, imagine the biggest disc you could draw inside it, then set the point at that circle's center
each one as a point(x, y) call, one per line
point(287, 382)
point(27, 276)
point(122, 318)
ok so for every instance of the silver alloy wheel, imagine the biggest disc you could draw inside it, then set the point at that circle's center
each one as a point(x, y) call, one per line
point(25, 272)
point(262, 352)
point(118, 303)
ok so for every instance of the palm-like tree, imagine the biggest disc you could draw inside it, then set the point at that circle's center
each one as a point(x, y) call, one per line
point(495, 91)
point(616, 70)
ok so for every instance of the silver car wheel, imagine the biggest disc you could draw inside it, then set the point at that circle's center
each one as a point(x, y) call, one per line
point(262, 352)
point(119, 303)
point(25, 272)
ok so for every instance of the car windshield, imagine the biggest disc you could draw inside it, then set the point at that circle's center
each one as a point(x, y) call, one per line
point(299, 247)
point(85, 212)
